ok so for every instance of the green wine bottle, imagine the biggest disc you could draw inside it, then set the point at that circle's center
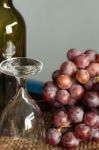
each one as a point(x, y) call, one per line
point(12, 44)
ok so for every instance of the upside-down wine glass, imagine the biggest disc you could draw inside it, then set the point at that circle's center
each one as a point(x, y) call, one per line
point(21, 124)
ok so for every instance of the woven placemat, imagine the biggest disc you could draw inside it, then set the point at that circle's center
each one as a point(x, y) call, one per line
point(23, 144)
point(83, 146)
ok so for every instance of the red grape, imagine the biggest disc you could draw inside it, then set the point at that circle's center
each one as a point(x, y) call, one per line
point(62, 96)
point(68, 68)
point(69, 140)
point(95, 134)
point(97, 58)
point(89, 85)
point(75, 114)
point(96, 86)
point(49, 91)
point(60, 119)
point(91, 119)
point(64, 81)
point(91, 54)
point(82, 61)
point(55, 74)
point(91, 99)
point(82, 131)
point(94, 109)
point(72, 101)
point(93, 69)
point(72, 53)
point(76, 91)
point(56, 104)
point(74, 95)
point(82, 76)
point(53, 136)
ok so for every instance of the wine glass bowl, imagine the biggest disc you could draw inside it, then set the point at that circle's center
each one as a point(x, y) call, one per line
point(22, 118)
point(21, 66)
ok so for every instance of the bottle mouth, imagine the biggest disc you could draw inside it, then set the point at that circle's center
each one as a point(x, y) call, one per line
point(20, 66)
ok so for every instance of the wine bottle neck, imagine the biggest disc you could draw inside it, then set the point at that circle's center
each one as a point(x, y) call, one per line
point(6, 3)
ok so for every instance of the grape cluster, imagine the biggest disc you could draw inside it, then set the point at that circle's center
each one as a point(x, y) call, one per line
point(73, 92)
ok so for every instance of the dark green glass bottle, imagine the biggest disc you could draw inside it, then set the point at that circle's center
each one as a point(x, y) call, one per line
point(12, 44)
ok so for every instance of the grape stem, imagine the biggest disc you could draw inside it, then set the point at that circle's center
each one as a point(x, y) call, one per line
point(66, 126)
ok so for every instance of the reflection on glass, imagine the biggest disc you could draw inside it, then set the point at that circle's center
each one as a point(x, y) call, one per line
point(28, 121)
point(10, 50)
point(6, 6)
point(9, 29)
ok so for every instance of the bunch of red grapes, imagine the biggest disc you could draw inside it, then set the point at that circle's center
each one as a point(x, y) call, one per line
point(74, 95)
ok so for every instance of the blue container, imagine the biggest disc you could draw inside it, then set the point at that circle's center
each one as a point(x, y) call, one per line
point(35, 86)
point(35, 89)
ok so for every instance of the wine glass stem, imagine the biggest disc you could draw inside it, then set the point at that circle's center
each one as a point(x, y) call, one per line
point(21, 82)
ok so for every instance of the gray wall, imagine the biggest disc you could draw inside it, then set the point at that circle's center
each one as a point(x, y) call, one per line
point(54, 26)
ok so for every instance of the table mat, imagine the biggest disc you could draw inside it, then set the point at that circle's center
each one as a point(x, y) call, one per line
point(20, 145)
point(83, 146)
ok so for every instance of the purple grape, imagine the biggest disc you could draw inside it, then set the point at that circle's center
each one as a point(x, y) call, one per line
point(91, 99)
point(53, 136)
point(91, 119)
point(72, 101)
point(56, 104)
point(72, 53)
point(94, 109)
point(49, 91)
point(89, 85)
point(96, 86)
point(64, 82)
point(55, 74)
point(93, 69)
point(82, 61)
point(91, 54)
point(68, 68)
point(69, 140)
point(82, 131)
point(76, 91)
point(60, 119)
point(95, 134)
point(75, 114)
point(82, 75)
point(97, 58)
point(62, 96)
